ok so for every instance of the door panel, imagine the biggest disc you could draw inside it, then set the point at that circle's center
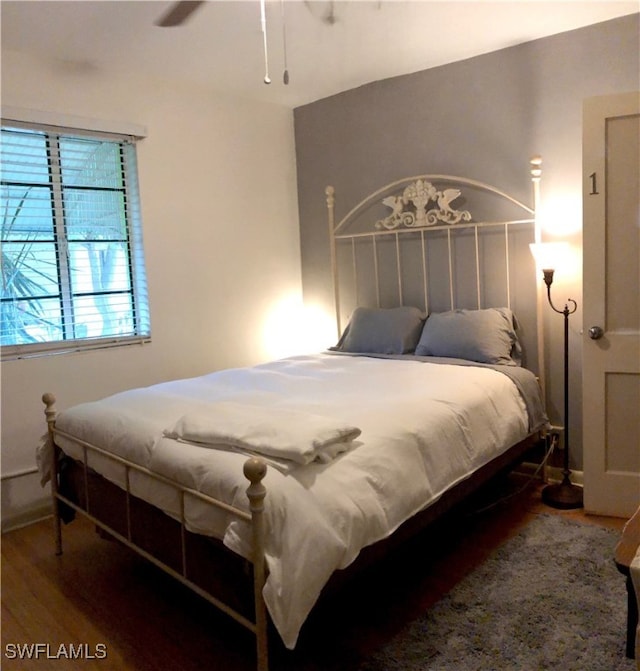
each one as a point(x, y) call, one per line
point(611, 296)
point(622, 239)
point(622, 391)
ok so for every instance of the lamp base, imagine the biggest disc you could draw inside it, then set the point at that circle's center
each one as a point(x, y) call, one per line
point(563, 495)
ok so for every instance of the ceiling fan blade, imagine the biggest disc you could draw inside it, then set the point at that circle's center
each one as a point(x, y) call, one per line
point(178, 13)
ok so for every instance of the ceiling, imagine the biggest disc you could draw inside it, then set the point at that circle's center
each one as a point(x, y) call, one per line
point(330, 46)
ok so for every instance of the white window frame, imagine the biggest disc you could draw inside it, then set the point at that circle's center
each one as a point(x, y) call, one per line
point(122, 133)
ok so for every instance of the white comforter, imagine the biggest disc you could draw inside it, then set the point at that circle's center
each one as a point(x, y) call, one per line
point(424, 427)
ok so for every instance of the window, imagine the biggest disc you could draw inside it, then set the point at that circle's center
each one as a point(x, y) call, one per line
point(72, 259)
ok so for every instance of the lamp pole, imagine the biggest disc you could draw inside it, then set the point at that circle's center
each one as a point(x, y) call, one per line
point(565, 494)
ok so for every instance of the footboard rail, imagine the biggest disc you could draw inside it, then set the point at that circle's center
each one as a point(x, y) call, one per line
point(254, 470)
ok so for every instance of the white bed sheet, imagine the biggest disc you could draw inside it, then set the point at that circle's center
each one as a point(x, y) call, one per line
point(425, 427)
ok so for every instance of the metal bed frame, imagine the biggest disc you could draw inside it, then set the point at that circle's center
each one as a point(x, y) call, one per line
point(254, 471)
point(407, 216)
point(420, 209)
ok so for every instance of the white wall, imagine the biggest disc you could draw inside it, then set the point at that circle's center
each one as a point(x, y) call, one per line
point(219, 206)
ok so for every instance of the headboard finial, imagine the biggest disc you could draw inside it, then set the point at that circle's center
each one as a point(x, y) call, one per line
point(536, 170)
point(329, 193)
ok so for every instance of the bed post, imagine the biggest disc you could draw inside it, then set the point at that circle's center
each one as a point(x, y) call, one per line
point(329, 193)
point(536, 174)
point(255, 470)
point(50, 412)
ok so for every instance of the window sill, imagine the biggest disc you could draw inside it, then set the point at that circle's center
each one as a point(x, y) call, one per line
point(15, 352)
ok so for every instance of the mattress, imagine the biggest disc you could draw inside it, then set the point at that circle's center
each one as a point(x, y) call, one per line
point(423, 427)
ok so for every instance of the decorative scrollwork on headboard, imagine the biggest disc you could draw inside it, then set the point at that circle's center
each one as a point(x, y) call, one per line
point(421, 204)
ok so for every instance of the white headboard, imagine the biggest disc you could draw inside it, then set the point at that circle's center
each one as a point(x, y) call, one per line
point(439, 242)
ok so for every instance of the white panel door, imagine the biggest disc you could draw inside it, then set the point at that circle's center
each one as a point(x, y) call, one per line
point(611, 285)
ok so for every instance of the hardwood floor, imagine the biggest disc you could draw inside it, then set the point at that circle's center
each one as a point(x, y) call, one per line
point(129, 616)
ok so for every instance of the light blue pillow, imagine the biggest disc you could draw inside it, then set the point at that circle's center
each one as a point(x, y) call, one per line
point(382, 331)
point(484, 336)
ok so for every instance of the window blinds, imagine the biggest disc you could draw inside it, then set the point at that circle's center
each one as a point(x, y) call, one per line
point(72, 255)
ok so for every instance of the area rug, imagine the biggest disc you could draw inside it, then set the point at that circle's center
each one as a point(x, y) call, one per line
point(549, 598)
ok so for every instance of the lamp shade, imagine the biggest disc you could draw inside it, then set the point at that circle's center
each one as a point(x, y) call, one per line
point(549, 255)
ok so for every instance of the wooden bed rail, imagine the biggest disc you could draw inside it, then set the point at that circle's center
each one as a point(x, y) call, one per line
point(254, 470)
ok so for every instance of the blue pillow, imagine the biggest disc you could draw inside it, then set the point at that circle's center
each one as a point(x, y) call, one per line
point(382, 331)
point(484, 336)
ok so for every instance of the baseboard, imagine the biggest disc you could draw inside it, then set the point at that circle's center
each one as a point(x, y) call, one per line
point(23, 500)
point(550, 473)
point(529, 469)
point(26, 517)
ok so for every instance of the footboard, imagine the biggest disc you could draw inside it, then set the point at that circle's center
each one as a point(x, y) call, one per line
point(254, 471)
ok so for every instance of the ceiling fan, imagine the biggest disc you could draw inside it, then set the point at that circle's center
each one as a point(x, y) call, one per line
point(180, 11)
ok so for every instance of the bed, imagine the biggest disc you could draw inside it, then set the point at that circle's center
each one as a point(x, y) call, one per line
point(287, 475)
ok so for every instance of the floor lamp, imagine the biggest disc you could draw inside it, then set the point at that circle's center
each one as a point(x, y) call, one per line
point(564, 494)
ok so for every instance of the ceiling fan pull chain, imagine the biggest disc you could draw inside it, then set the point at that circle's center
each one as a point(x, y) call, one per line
point(285, 76)
point(263, 22)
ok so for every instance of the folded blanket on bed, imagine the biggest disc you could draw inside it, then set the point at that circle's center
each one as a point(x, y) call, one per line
point(272, 431)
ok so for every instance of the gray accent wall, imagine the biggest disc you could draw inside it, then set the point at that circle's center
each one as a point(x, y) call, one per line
point(481, 118)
